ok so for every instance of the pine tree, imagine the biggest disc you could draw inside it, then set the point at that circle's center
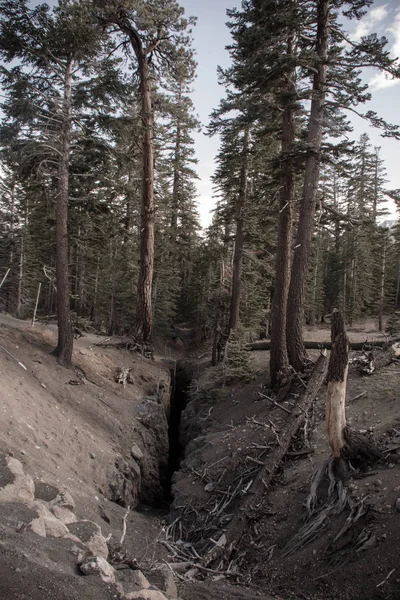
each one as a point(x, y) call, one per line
point(45, 101)
point(156, 32)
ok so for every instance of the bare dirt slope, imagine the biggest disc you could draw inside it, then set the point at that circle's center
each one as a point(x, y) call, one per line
point(73, 430)
point(80, 432)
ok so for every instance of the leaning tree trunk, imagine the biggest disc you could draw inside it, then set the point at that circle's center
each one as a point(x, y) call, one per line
point(294, 332)
point(279, 357)
point(239, 237)
point(65, 337)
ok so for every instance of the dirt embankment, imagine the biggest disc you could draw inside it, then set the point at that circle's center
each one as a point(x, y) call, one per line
point(79, 431)
point(78, 449)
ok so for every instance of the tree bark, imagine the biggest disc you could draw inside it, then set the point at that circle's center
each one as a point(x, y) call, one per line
point(383, 274)
point(295, 309)
point(143, 317)
point(279, 357)
point(239, 236)
point(176, 178)
point(264, 345)
point(65, 336)
point(337, 383)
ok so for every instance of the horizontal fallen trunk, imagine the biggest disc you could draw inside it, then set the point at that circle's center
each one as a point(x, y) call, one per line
point(258, 489)
point(265, 345)
point(373, 361)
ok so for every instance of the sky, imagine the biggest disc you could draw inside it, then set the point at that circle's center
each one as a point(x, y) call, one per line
point(211, 36)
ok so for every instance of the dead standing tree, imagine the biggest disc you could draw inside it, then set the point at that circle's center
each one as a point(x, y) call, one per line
point(346, 445)
point(337, 383)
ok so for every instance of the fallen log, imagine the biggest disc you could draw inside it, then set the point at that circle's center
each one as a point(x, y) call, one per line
point(265, 345)
point(374, 361)
point(265, 476)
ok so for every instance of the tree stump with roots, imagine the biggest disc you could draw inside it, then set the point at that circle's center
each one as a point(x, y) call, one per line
point(345, 445)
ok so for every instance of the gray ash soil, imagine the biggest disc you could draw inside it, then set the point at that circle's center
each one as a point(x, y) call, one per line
point(71, 436)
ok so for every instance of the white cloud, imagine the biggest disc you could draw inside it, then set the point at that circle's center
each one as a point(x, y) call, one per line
point(367, 24)
point(381, 80)
point(395, 31)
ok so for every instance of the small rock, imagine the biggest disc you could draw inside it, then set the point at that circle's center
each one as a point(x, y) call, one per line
point(398, 504)
point(132, 581)
point(397, 489)
point(137, 452)
point(65, 515)
point(96, 565)
point(46, 524)
point(377, 483)
point(65, 500)
point(92, 455)
point(43, 385)
point(210, 487)
point(18, 487)
point(163, 579)
point(145, 595)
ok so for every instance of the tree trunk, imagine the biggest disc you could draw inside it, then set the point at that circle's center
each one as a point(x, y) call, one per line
point(65, 337)
point(143, 317)
point(337, 382)
point(239, 237)
point(279, 357)
point(176, 181)
point(383, 273)
point(264, 345)
point(294, 334)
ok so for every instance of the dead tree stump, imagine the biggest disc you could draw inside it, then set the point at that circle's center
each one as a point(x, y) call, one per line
point(336, 386)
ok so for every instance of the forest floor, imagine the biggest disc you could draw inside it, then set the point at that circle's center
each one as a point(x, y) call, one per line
point(68, 435)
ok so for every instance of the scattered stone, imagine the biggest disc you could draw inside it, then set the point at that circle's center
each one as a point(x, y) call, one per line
point(46, 524)
point(96, 565)
point(65, 515)
point(45, 491)
point(132, 581)
point(398, 504)
point(89, 533)
point(163, 578)
point(15, 486)
point(65, 500)
point(137, 452)
point(145, 595)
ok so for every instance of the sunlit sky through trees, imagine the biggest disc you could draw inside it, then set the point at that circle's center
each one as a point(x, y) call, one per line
point(210, 39)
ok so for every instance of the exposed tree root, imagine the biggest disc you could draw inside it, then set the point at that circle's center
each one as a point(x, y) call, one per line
point(267, 473)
